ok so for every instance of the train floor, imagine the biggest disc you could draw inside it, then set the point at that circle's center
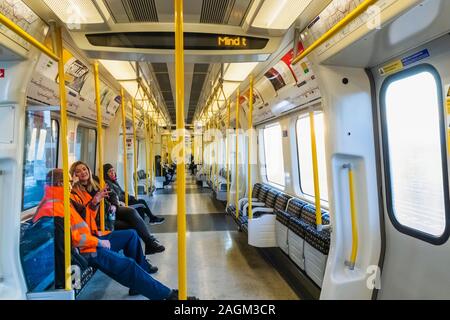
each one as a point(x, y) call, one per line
point(221, 265)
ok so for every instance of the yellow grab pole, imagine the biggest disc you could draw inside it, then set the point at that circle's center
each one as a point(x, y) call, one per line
point(315, 171)
point(181, 182)
point(65, 165)
point(147, 153)
point(335, 29)
point(150, 151)
point(28, 38)
point(99, 142)
point(352, 261)
point(135, 149)
point(152, 156)
point(249, 148)
point(124, 138)
point(228, 151)
point(237, 154)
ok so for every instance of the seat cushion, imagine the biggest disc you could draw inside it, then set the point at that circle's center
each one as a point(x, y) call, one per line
point(319, 240)
point(295, 207)
point(271, 198)
point(298, 226)
point(308, 214)
point(283, 217)
point(263, 194)
point(281, 201)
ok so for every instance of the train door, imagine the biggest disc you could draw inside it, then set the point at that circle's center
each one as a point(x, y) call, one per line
point(413, 100)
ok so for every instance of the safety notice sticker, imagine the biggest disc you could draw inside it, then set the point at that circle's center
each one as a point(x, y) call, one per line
point(399, 65)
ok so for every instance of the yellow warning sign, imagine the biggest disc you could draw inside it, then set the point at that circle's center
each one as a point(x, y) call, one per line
point(391, 68)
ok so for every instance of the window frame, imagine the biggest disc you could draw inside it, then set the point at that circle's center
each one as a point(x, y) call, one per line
point(386, 155)
point(310, 197)
point(274, 184)
point(96, 139)
point(30, 210)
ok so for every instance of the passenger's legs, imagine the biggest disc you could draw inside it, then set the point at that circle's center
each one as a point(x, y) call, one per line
point(128, 218)
point(128, 273)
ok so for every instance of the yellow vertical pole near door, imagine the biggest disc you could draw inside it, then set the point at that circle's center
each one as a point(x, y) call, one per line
point(181, 182)
point(237, 153)
point(351, 185)
point(99, 142)
point(151, 147)
point(135, 149)
point(228, 152)
point(249, 148)
point(147, 153)
point(124, 139)
point(65, 155)
point(315, 171)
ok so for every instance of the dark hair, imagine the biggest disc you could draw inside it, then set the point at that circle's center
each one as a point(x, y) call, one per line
point(54, 177)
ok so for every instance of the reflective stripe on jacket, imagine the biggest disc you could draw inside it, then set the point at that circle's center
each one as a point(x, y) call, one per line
point(52, 205)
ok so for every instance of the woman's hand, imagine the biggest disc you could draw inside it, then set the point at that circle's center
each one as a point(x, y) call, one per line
point(113, 209)
point(74, 179)
point(103, 193)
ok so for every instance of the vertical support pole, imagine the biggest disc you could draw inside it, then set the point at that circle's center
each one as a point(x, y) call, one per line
point(315, 171)
point(237, 153)
point(147, 152)
point(135, 148)
point(228, 152)
point(249, 149)
point(65, 155)
point(181, 183)
point(351, 185)
point(124, 139)
point(99, 142)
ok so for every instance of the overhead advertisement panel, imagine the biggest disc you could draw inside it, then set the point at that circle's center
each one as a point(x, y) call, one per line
point(44, 88)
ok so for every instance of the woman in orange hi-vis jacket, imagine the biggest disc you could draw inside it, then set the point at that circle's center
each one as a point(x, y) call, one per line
point(101, 251)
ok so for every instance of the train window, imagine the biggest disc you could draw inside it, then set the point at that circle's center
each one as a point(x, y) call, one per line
point(85, 149)
point(305, 158)
point(273, 151)
point(41, 155)
point(414, 147)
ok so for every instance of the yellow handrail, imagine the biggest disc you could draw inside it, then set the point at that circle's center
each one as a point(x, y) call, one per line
point(133, 116)
point(147, 152)
point(28, 38)
point(99, 142)
point(181, 182)
point(124, 139)
point(65, 158)
point(249, 148)
point(335, 29)
point(351, 184)
point(228, 151)
point(237, 153)
point(315, 171)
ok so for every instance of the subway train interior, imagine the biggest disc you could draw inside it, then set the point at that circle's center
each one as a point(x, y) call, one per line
point(224, 149)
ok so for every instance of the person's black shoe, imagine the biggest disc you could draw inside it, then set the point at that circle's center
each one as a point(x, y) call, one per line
point(174, 296)
point(156, 220)
point(133, 292)
point(152, 268)
point(154, 247)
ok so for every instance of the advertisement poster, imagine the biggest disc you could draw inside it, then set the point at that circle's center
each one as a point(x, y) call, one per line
point(265, 89)
point(44, 88)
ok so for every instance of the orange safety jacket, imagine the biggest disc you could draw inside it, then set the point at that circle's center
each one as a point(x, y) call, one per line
point(52, 205)
point(84, 198)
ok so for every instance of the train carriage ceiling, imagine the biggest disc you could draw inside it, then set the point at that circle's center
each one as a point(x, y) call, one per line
point(213, 17)
point(225, 12)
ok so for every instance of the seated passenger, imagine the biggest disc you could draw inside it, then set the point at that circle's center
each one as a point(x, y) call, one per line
point(101, 251)
point(85, 190)
point(111, 179)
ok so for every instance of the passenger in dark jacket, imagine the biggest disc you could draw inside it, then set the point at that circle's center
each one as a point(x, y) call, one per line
point(144, 210)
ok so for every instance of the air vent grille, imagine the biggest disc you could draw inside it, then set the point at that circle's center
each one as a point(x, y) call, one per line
point(216, 11)
point(141, 10)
